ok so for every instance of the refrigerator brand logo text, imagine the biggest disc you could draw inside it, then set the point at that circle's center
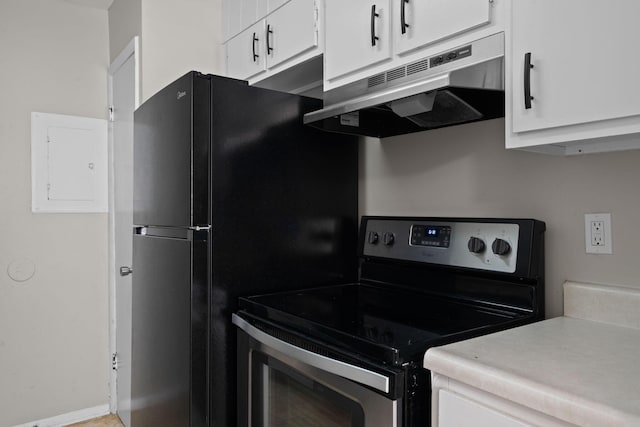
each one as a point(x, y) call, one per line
point(181, 94)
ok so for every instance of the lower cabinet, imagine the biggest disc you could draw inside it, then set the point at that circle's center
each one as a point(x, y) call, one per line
point(455, 404)
point(458, 411)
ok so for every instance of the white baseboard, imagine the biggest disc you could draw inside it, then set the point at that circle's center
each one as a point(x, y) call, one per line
point(70, 417)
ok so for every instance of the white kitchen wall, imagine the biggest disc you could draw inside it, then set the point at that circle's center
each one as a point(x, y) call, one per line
point(125, 22)
point(177, 37)
point(54, 348)
point(465, 171)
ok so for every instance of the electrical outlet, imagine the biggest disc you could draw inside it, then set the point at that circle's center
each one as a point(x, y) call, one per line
point(597, 233)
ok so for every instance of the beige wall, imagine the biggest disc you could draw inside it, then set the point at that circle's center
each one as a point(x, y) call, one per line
point(177, 37)
point(125, 22)
point(465, 171)
point(54, 348)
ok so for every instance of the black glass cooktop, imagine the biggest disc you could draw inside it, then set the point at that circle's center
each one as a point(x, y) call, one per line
point(388, 324)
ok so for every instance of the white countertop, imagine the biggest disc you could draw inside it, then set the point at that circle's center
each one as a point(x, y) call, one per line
point(581, 371)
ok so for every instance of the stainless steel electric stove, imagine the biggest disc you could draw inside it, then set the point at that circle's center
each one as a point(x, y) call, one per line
point(351, 354)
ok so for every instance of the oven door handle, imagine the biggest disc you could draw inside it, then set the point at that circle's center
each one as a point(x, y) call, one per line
point(351, 372)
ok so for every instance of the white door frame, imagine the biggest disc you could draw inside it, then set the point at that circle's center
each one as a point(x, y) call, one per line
point(133, 48)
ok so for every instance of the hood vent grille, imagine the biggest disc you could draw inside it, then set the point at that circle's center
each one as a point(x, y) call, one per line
point(398, 73)
point(418, 67)
point(377, 80)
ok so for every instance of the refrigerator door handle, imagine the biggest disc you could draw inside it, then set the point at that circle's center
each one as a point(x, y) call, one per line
point(143, 230)
point(185, 233)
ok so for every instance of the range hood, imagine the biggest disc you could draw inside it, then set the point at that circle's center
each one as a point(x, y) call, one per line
point(458, 86)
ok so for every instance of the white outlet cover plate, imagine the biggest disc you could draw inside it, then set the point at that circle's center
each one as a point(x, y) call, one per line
point(606, 247)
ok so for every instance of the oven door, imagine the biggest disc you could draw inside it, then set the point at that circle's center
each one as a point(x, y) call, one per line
point(282, 385)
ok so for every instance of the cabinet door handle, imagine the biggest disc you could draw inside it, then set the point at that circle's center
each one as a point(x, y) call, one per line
point(269, 32)
point(374, 15)
point(527, 80)
point(253, 47)
point(403, 20)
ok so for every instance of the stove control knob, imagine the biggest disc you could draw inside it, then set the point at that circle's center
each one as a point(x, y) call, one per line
point(388, 238)
point(501, 247)
point(476, 245)
point(373, 238)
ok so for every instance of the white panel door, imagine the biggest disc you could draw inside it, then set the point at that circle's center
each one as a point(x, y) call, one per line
point(123, 84)
point(585, 62)
point(291, 30)
point(358, 35)
point(428, 21)
point(72, 157)
point(246, 56)
point(69, 163)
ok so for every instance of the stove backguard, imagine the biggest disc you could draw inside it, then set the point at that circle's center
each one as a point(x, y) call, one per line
point(497, 262)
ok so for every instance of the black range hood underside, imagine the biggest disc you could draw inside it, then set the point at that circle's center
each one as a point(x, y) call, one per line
point(381, 122)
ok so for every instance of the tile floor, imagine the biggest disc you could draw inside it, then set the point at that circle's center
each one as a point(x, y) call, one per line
point(106, 421)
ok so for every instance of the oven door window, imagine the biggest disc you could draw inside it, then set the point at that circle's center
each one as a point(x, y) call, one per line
point(285, 397)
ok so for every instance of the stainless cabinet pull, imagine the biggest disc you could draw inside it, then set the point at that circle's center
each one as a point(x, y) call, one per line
point(125, 271)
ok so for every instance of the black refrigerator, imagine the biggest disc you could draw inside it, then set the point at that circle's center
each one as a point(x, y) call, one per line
point(233, 196)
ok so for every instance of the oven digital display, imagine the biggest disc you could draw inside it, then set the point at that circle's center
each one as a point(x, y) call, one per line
point(430, 235)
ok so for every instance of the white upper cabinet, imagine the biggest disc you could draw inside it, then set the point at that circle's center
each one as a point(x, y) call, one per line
point(366, 37)
point(274, 4)
point(358, 34)
point(291, 30)
point(241, 14)
point(286, 37)
point(419, 23)
point(262, 9)
point(246, 52)
point(573, 70)
point(232, 18)
point(248, 12)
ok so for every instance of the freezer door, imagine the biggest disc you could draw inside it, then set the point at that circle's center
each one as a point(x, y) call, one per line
point(169, 339)
point(171, 155)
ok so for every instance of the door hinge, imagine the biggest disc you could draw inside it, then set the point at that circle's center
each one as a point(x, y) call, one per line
point(111, 113)
point(114, 361)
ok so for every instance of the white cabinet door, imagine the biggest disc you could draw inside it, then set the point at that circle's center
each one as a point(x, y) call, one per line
point(428, 21)
point(274, 4)
point(241, 14)
point(291, 30)
point(249, 12)
point(232, 13)
point(358, 35)
point(585, 62)
point(246, 56)
point(458, 411)
point(262, 9)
